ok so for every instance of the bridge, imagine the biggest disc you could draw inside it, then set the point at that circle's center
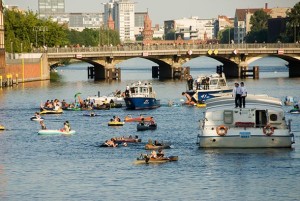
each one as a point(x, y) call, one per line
point(170, 58)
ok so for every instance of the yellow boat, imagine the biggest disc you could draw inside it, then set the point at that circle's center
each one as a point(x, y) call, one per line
point(59, 111)
point(2, 128)
point(115, 123)
point(146, 160)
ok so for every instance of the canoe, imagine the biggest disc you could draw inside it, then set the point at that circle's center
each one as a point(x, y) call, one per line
point(146, 160)
point(136, 119)
point(34, 118)
point(2, 128)
point(55, 132)
point(59, 111)
point(115, 123)
point(145, 127)
point(156, 147)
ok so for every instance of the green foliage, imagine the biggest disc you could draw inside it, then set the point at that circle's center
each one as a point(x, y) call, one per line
point(293, 24)
point(223, 35)
point(259, 27)
point(170, 35)
point(23, 31)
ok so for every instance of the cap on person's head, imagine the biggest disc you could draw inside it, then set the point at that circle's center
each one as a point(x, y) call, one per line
point(242, 82)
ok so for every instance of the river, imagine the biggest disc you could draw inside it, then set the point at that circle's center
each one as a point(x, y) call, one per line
point(34, 167)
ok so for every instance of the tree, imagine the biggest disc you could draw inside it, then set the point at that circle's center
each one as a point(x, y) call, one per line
point(223, 35)
point(259, 27)
point(293, 24)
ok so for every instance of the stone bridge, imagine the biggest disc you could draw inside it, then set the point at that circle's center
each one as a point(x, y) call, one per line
point(169, 58)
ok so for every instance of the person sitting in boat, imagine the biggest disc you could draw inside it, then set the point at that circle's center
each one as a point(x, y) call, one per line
point(37, 115)
point(68, 124)
point(296, 107)
point(142, 122)
point(65, 128)
point(160, 153)
point(43, 126)
point(151, 122)
point(190, 100)
point(153, 154)
point(156, 143)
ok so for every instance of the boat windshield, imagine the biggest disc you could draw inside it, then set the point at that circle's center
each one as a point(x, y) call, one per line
point(213, 82)
point(222, 82)
point(143, 90)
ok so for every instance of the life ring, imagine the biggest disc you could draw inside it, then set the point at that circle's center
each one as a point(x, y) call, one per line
point(268, 130)
point(222, 130)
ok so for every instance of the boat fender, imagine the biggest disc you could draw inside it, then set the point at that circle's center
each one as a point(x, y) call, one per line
point(268, 130)
point(222, 130)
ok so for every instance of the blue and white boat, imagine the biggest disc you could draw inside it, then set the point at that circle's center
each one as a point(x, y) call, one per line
point(141, 96)
point(206, 87)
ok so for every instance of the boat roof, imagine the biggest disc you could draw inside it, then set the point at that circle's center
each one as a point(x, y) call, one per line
point(252, 101)
point(141, 84)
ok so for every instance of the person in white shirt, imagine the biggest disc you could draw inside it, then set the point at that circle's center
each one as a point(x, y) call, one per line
point(237, 94)
point(244, 94)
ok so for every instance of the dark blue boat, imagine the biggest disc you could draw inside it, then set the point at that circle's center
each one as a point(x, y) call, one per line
point(141, 96)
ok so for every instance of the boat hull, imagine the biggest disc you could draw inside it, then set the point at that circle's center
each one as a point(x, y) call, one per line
point(113, 123)
point(140, 127)
point(59, 111)
point(140, 103)
point(208, 94)
point(55, 132)
point(156, 160)
point(236, 141)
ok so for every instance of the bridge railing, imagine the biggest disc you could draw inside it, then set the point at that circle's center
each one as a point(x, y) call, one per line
point(139, 47)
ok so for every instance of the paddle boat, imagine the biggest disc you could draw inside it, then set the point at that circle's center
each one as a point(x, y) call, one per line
point(261, 124)
point(137, 119)
point(56, 132)
point(116, 123)
point(206, 87)
point(145, 159)
point(2, 128)
point(141, 96)
point(129, 139)
point(144, 127)
point(289, 100)
point(47, 111)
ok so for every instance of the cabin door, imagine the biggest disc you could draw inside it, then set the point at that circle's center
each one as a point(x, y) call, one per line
point(260, 118)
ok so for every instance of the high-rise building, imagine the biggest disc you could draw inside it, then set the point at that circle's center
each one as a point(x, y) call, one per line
point(49, 8)
point(124, 19)
point(108, 10)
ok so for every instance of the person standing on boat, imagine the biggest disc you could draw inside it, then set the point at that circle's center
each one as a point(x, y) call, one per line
point(190, 82)
point(237, 94)
point(127, 92)
point(244, 94)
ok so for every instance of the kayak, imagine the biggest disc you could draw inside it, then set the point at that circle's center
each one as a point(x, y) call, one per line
point(146, 160)
point(34, 118)
point(59, 111)
point(115, 123)
point(2, 128)
point(136, 119)
point(140, 127)
point(156, 147)
point(55, 132)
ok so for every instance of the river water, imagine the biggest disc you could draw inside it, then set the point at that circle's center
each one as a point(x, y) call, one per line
point(34, 167)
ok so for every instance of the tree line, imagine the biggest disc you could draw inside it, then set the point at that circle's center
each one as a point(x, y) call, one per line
point(24, 31)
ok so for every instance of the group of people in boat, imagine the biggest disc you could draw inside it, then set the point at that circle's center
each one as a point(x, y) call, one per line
point(239, 93)
point(115, 119)
point(151, 122)
point(51, 105)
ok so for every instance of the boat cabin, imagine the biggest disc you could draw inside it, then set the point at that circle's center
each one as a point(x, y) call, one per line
point(140, 89)
point(214, 81)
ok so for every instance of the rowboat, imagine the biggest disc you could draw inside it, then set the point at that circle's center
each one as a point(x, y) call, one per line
point(145, 127)
point(55, 132)
point(115, 123)
point(59, 111)
point(136, 119)
point(144, 159)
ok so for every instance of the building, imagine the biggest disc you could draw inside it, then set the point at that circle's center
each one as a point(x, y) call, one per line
point(139, 22)
point(223, 22)
point(50, 8)
point(147, 32)
point(191, 28)
point(124, 19)
point(108, 10)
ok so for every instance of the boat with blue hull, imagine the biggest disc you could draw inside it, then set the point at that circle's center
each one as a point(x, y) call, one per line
point(207, 87)
point(141, 96)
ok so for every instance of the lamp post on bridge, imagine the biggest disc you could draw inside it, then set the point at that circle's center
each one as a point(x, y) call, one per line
point(295, 25)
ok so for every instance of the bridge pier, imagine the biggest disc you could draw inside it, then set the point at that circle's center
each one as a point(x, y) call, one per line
point(294, 69)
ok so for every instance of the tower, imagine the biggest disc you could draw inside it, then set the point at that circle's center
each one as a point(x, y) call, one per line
point(147, 32)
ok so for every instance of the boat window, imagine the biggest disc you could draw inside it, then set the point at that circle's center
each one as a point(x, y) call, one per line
point(260, 118)
point(144, 90)
point(273, 117)
point(228, 116)
point(222, 82)
point(213, 82)
point(134, 90)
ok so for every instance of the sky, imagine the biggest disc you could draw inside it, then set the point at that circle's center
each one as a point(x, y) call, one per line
point(161, 10)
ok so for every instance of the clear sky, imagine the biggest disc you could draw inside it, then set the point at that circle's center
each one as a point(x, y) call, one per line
point(161, 10)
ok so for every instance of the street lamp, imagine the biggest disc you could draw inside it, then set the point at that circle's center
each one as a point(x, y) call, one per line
point(40, 28)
